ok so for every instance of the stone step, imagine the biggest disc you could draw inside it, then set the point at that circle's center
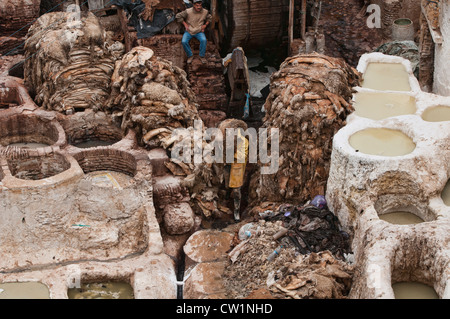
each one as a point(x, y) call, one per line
point(158, 157)
point(168, 190)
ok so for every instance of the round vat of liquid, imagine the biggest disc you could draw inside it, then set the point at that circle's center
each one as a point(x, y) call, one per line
point(445, 195)
point(386, 77)
point(401, 218)
point(97, 130)
point(413, 290)
point(382, 142)
point(39, 167)
point(402, 209)
point(107, 167)
point(28, 131)
point(378, 106)
point(106, 290)
point(110, 179)
point(439, 113)
point(94, 142)
point(24, 290)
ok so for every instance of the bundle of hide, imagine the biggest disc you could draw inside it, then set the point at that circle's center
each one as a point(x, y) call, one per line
point(68, 63)
point(310, 98)
point(152, 96)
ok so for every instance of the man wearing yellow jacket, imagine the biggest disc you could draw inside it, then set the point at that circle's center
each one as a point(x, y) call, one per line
point(234, 176)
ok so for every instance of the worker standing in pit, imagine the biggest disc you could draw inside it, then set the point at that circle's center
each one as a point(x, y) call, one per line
point(235, 172)
point(195, 21)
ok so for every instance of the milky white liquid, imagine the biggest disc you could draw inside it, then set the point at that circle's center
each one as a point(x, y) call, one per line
point(438, 113)
point(382, 142)
point(378, 106)
point(24, 290)
point(386, 76)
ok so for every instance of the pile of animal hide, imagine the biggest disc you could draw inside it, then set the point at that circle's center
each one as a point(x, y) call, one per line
point(152, 96)
point(68, 62)
point(309, 101)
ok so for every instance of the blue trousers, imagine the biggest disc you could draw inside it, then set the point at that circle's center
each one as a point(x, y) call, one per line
point(187, 38)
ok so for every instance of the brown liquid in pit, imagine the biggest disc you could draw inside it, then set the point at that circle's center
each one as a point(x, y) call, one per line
point(94, 143)
point(401, 218)
point(413, 290)
point(106, 290)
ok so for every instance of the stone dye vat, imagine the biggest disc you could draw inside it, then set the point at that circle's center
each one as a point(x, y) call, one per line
point(62, 227)
point(366, 188)
point(386, 77)
point(401, 218)
point(97, 130)
point(24, 290)
point(382, 142)
point(102, 290)
point(378, 106)
point(440, 113)
point(413, 290)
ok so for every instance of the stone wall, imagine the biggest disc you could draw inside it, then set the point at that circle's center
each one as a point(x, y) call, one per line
point(442, 53)
point(395, 9)
point(362, 187)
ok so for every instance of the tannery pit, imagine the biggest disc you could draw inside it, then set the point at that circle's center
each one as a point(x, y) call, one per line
point(179, 149)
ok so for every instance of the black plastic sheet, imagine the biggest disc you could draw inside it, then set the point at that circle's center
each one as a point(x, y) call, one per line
point(145, 29)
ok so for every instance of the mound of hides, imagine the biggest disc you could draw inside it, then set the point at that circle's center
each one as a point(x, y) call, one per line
point(68, 62)
point(309, 101)
point(152, 96)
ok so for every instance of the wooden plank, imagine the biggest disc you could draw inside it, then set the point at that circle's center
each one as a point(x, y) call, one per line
point(303, 14)
point(291, 23)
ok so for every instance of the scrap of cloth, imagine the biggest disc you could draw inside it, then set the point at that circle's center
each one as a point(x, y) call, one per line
point(145, 29)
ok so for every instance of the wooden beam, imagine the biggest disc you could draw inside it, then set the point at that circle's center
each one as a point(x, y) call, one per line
point(303, 12)
point(291, 22)
point(124, 25)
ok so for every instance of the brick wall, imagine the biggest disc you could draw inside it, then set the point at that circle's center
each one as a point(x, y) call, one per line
point(395, 9)
point(16, 15)
point(166, 46)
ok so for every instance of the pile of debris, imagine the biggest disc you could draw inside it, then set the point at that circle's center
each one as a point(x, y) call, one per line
point(405, 49)
point(309, 101)
point(68, 63)
point(294, 252)
point(152, 96)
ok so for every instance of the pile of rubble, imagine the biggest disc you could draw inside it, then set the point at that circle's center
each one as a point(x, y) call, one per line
point(294, 252)
point(309, 101)
point(68, 62)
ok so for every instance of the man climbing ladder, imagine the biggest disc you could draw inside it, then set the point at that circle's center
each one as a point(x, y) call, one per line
point(195, 21)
